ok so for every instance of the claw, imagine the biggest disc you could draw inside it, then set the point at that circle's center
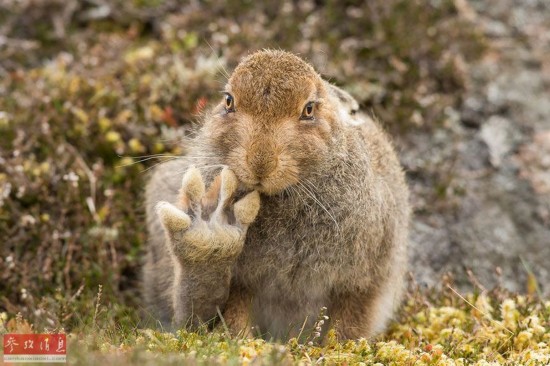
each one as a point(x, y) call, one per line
point(192, 185)
point(229, 185)
point(171, 217)
point(247, 208)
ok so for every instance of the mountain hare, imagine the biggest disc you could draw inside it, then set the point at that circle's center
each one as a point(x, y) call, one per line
point(291, 201)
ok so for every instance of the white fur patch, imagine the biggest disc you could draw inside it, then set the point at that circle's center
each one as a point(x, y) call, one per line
point(171, 217)
point(348, 119)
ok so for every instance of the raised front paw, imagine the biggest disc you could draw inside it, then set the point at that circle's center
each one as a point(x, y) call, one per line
point(208, 225)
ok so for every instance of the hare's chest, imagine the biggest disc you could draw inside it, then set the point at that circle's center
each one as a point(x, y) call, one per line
point(296, 244)
point(289, 254)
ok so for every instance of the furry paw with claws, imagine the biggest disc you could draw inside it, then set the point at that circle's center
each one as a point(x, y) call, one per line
point(208, 225)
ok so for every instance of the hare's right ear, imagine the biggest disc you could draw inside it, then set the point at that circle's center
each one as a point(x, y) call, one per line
point(346, 100)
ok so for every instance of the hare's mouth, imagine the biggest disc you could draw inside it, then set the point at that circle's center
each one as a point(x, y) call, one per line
point(258, 186)
point(270, 184)
point(265, 186)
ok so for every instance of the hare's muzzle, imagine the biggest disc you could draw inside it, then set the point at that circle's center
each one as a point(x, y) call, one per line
point(261, 160)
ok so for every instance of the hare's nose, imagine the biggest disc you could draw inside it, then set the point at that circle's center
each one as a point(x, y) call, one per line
point(261, 162)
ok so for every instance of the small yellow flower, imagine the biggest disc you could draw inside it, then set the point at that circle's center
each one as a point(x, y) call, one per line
point(158, 147)
point(104, 124)
point(124, 116)
point(483, 308)
point(139, 54)
point(112, 137)
point(523, 339)
point(467, 348)
point(509, 314)
point(136, 146)
point(156, 112)
point(45, 167)
point(392, 351)
point(248, 352)
point(80, 114)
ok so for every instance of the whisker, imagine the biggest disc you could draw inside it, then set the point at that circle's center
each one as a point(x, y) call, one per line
point(223, 70)
point(312, 195)
point(184, 157)
point(294, 189)
point(157, 164)
point(144, 156)
point(210, 166)
point(142, 160)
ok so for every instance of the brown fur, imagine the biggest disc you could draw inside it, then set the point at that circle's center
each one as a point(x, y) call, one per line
point(332, 225)
point(236, 314)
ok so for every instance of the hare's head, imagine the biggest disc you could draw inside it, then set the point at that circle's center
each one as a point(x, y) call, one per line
point(276, 121)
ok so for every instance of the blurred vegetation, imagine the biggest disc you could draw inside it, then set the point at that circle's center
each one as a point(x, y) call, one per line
point(90, 89)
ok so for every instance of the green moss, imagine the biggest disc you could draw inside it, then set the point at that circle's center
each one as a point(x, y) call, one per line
point(495, 327)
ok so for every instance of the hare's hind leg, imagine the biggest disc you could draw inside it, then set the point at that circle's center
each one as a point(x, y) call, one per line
point(236, 314)
point(351, 315)
point(364, 314)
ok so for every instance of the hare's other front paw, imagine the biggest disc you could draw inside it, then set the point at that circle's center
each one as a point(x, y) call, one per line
point(208, 225)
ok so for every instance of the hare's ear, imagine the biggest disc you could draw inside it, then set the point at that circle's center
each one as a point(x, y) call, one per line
point(343, 97)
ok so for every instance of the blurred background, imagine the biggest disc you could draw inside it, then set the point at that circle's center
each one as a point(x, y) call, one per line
point(93, 93)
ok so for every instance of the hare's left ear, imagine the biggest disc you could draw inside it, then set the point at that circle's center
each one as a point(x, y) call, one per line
point(346, 100)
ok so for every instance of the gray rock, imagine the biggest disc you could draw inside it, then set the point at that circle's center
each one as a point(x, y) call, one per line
point(481, 188)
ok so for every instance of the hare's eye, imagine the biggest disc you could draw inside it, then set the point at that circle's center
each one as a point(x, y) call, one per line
point(307, 113)
point(229, 103)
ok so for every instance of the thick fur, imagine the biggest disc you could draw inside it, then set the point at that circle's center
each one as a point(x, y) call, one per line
point(333, 219)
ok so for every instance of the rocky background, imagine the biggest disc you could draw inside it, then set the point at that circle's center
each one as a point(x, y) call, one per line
point(94, 93)
point(491, 161)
